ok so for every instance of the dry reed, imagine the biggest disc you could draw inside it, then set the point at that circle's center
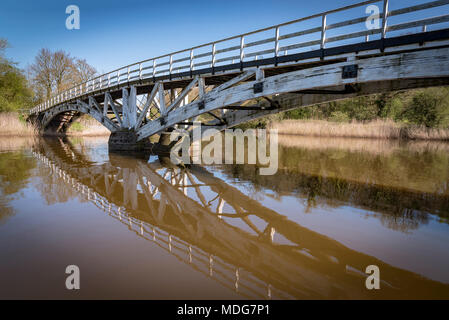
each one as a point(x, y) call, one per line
point(378, 129)
point(10, 125)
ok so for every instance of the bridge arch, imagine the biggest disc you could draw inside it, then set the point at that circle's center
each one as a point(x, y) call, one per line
point(60, 118)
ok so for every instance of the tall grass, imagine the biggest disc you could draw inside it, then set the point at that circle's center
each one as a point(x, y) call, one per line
point(11, 125)
point(371, 146)
point(377, 129)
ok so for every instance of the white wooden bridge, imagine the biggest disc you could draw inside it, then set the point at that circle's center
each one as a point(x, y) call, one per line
point(324, 57)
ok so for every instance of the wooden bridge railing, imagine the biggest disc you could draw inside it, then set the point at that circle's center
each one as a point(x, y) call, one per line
point(274, 41)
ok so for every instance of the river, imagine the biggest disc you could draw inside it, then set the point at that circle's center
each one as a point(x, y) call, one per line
point(138, 227)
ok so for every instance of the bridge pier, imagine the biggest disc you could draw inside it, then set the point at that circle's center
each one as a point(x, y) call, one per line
point(126, 140)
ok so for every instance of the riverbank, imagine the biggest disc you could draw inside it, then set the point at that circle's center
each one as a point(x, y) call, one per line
point(12, 125)
point(377, 129)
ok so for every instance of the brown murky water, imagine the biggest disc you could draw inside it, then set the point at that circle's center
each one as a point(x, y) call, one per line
point(140, 228)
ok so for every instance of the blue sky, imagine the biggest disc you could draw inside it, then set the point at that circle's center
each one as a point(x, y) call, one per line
point(115, 33)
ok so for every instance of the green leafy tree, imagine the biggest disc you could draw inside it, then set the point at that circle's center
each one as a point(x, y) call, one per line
point(14, 91)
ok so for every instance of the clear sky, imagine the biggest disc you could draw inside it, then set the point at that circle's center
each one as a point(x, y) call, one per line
point(115, 33)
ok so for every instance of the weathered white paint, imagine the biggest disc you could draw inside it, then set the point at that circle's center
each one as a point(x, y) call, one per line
point(421, 64)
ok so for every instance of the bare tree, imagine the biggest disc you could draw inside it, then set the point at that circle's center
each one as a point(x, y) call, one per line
point(61, 65)
point(40, 73)
point(53, 72)
point(3, 45)
point(83, 71)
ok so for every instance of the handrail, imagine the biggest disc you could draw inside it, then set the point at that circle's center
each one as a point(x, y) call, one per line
point(130, 72)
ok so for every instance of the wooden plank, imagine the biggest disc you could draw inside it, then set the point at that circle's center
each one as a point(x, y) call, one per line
point(242, 77)
point(423, 6)
point(300, 33)
point(353, 35)
point(162, 100)
point(419, 23)
point(346, 23)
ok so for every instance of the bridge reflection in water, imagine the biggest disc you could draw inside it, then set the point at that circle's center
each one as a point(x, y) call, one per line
point(187, 211)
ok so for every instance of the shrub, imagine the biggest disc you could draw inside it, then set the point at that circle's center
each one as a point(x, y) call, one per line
point(76, 126)
point(423, 110)
point(339, 116)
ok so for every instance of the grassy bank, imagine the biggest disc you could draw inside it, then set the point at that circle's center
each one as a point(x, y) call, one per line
point(13, 124)
point(87, 126)
point(377, 129)
point(421, 114)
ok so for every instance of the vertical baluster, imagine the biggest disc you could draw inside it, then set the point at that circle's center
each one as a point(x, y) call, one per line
point(276, 44)
point(242, 52)
point(191, 60)
point(323, 31)
point(171, 65)
point(384, 19)
point(213, 57)
point(128, 74)
point(140, 71)
point(118, 76)
point(154, 68)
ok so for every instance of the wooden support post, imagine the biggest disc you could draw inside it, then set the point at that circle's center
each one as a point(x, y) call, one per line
point(200, 87)
point(132, 107)
point(105, 107)
point(125, 112)
point(259, 74)
point(162, 100)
